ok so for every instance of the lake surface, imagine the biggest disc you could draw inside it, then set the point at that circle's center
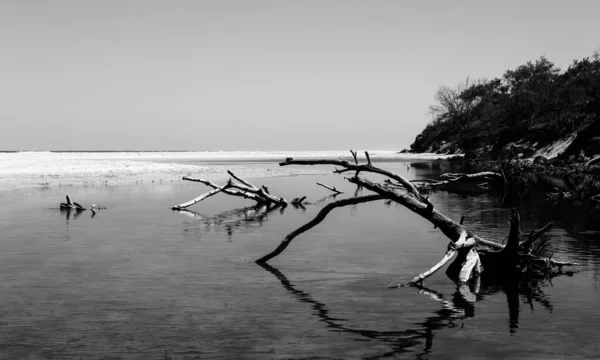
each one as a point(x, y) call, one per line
point(139, 281)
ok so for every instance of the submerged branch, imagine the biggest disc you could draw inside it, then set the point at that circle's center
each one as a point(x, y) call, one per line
point(419, 278)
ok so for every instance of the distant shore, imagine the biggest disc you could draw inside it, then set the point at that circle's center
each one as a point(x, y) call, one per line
point(19, 170)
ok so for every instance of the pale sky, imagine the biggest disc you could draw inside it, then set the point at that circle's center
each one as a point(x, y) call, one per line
point(258, 75)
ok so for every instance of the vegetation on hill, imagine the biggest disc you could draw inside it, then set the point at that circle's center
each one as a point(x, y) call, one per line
point(532, 106)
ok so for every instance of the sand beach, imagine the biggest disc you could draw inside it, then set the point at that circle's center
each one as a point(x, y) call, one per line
point(19, 170)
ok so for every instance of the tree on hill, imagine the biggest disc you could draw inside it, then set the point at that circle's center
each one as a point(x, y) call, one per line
point(536, 103)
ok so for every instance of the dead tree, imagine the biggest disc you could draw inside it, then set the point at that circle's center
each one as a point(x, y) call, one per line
point(246, 190)
point(474, 253)
point(240, 188)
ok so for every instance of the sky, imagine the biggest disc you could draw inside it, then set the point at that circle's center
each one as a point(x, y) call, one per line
point(259, 75)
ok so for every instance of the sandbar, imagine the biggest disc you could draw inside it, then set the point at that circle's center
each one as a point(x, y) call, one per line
point(20, 170)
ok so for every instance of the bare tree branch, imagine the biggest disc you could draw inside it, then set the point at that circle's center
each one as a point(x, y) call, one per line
point(449, 227)
point(419, 278)
point(354, 167)
point(226, 191)
point(334, 189)
point(354, 156)
point(320, 217)
point(525, 246)
point(241, 180)
point(201, 197)
point(468, 262)
point(260, 192)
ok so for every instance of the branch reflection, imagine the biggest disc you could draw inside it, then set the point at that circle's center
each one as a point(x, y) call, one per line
point(68, 211)
point(459, 306)
point(243, 219)
point(233, 220)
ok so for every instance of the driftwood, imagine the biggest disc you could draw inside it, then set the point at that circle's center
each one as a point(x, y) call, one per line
point(558, 194)
point(71, 205)
point(474, 253)
point(524, 250)
point(232, 192)
point(334, 189)
point(240, 188)
point(482, 181)
point(202, 197)
point(298, 203)
point(247, 190)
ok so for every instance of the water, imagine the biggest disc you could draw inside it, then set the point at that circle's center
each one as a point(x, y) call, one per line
point(139, 281)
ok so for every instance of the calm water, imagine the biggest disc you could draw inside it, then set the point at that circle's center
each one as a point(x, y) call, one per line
point(139, 281)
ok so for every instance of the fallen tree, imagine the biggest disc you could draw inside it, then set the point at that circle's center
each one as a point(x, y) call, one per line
point(473, 253)
point(241, 188)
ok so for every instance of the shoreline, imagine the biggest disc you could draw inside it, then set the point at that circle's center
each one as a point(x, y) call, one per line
point(71, 172)
point(211, 156)
point(24, 170)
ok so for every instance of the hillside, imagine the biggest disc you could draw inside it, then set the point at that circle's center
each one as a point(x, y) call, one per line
point(535, 109)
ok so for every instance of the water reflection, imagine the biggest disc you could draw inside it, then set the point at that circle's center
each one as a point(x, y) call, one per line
point(577, 230)
point(243, 219)
point(459, 306)
point(240, 219)
point(324, 198)
point(68, 211)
